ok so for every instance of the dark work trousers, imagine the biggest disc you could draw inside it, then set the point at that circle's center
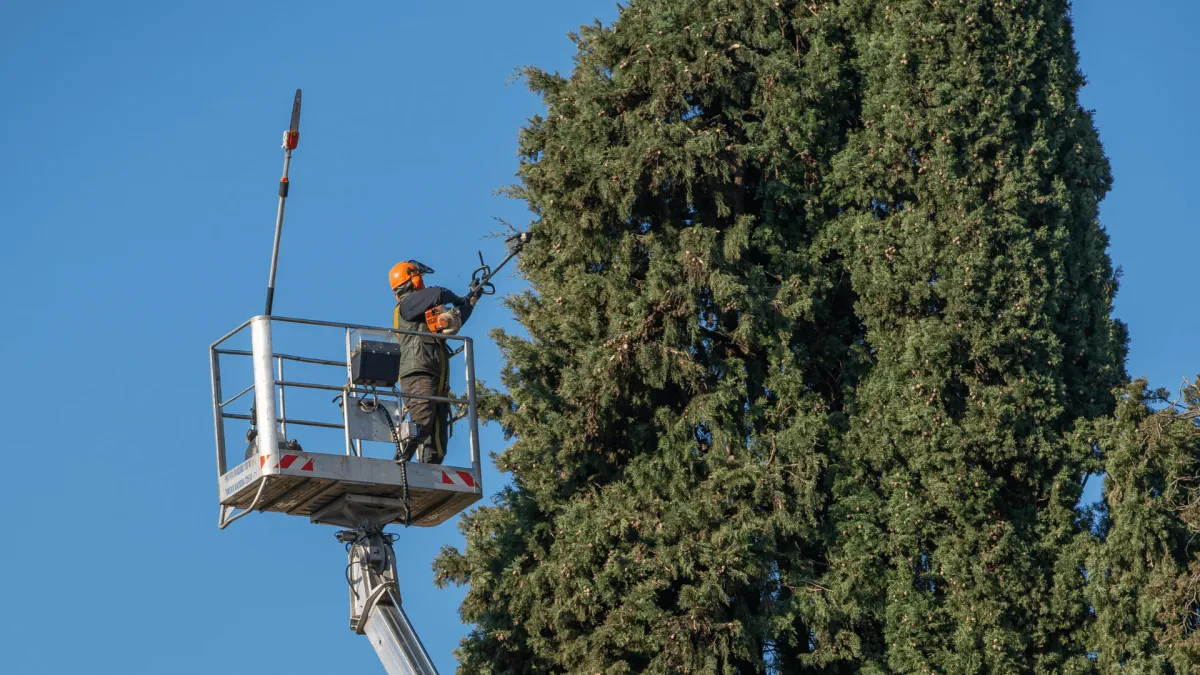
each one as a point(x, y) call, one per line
point(432, 419)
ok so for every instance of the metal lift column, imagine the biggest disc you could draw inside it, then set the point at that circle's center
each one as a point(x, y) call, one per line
point(375, 608)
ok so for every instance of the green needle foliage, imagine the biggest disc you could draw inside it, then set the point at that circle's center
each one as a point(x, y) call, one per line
point(818, 337)
point(691, 349)
point(1144, 569)
point(970, 233)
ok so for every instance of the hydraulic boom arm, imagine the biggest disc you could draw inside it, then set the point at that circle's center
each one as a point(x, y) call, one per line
point(375, 609)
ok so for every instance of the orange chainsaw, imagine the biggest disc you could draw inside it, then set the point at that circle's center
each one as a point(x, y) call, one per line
point(445, 320)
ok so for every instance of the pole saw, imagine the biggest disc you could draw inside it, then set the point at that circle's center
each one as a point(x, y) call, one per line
point(291, 138)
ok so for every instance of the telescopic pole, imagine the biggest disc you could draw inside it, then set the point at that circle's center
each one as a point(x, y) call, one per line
point(291, 138)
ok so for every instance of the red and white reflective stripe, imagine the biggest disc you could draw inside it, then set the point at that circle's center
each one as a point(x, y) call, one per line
point(462, 478)
point(287, 462)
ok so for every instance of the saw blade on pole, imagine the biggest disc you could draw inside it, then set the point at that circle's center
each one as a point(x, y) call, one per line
point(295, 128)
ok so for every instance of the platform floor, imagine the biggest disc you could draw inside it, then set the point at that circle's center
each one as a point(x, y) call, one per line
point(436, 493)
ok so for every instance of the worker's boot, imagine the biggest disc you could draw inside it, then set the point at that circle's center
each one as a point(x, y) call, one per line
point(428, 454)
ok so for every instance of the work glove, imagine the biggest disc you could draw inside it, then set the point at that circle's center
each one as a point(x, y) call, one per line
point(478, 289)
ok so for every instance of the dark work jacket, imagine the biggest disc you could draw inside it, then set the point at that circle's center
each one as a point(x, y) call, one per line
point(424, 355)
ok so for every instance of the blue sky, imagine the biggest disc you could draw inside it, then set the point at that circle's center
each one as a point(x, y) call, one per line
point(137, 196)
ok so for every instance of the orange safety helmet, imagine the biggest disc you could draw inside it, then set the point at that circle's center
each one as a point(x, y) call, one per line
point(409, 271)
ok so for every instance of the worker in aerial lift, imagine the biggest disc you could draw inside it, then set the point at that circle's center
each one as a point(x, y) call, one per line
point(424, 362)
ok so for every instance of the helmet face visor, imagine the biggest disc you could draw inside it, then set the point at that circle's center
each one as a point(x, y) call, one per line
point(422, 268)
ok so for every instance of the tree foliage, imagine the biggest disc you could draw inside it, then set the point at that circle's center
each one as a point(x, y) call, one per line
point(818, 332)
point(1143, 568)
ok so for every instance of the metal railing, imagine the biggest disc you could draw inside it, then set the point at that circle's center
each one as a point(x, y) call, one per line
point(270, 387)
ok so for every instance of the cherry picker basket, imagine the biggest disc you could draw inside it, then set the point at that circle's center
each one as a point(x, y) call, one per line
point(310, 478)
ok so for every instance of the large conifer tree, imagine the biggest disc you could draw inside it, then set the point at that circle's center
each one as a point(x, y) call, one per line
point(970, 195)
point(819, 303)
